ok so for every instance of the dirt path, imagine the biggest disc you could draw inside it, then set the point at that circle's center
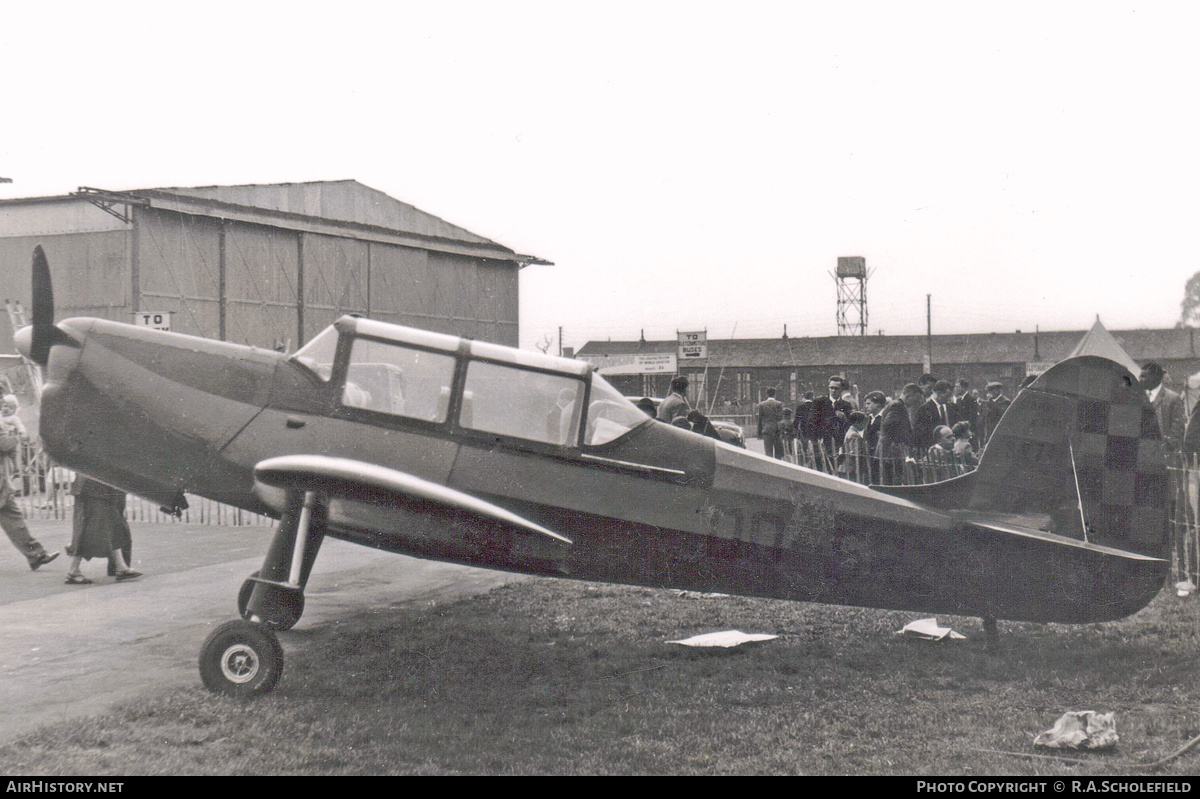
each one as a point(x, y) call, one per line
point(69, 651)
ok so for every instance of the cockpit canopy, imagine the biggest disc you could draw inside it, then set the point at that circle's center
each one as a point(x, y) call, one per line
point(390, 373)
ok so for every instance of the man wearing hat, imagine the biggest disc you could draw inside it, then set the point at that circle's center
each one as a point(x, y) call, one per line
point(991, 409)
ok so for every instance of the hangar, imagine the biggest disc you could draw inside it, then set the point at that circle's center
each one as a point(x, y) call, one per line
point(268, 265)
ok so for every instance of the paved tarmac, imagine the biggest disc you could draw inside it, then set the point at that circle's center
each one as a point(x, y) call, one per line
point(68, 651)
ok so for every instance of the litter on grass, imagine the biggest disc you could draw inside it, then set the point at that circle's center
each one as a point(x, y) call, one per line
point(928, 630)
point(725, 639)
point(1080, 729)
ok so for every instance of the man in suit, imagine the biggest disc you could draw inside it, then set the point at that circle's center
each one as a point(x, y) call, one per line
point(896, 434)
point(1167, 404)
point(675, 405)
point(829, 421)
point(802, 428)
point(932, 415)
point(1168, 408)
point(964, 407)
point(991, 410)
point(770, 417)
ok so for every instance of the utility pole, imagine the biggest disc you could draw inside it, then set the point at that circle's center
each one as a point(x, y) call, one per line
point(929, 330)
point(560, 341)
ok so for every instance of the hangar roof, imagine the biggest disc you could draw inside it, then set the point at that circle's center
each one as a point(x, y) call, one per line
point(343, 200)
point(340, 207)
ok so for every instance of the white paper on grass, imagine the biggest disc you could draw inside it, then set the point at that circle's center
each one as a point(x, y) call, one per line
point(929, 630)
point(726, 639)
point(1081, 729)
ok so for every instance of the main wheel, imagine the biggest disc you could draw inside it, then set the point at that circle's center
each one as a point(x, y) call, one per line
point(285, 606)
point(241, 659)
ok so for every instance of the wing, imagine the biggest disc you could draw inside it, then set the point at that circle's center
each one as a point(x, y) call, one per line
point(368, 482)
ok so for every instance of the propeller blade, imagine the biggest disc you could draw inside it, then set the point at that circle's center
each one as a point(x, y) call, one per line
point(44, 332)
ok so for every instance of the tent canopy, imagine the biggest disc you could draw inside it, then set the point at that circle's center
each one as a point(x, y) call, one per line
point(1098, 341)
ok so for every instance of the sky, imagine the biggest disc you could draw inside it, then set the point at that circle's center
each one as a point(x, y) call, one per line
point(686, 166)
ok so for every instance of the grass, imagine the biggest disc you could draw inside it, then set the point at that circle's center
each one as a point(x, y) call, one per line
point(557, 677)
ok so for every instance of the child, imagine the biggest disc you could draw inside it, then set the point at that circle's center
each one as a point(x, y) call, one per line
point(964, 453)
point(9, 421)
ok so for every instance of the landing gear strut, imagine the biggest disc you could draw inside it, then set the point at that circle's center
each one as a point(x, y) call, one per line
point(243, 658)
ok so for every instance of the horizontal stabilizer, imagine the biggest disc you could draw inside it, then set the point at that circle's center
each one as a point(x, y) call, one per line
point(367, 482)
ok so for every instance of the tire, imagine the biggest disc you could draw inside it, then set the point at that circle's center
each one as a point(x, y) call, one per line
point(241, 659)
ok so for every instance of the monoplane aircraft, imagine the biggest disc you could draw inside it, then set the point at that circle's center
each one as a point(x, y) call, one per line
point(457, 450)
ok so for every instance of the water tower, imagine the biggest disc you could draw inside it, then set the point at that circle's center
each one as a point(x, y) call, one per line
point(851, 279)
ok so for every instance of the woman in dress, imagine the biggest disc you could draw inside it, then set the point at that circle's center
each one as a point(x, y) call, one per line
point(99, 530)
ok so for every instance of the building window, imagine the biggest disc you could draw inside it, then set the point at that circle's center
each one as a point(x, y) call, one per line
point(744, 392)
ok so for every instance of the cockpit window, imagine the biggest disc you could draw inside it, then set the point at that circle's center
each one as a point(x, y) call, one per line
point(317, 355)
point(399, 380)
point(535, 406)
point(609, 414)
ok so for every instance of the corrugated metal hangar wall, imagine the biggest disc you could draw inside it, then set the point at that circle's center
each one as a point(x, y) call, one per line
point(260, 274)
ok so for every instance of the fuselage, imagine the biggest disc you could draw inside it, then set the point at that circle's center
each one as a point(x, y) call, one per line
point(161, 414)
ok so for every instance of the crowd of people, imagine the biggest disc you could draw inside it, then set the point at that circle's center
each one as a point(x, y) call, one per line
point(926, 431)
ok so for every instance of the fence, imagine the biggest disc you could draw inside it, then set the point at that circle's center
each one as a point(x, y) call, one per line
point(1186, 512)
point(45, 493)
point(864, 468)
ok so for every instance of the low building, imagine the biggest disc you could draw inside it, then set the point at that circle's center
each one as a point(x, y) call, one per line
point(738, 372)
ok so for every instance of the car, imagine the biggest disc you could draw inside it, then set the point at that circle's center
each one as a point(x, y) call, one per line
point(730, 432)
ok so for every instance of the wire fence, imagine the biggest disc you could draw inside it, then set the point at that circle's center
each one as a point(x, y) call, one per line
point(863, 467)
point(44, 492)
point(1185, 510)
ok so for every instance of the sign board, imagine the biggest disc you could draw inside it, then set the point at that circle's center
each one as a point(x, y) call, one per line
point(662, 363)
point(156, 320)
point(1037, 367)
point(693, 346)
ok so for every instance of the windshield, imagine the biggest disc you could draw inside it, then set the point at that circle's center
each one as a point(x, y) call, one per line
point(317, 354)
point(609, 414)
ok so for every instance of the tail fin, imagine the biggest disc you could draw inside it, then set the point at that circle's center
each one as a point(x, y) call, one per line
point(1078, 453)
